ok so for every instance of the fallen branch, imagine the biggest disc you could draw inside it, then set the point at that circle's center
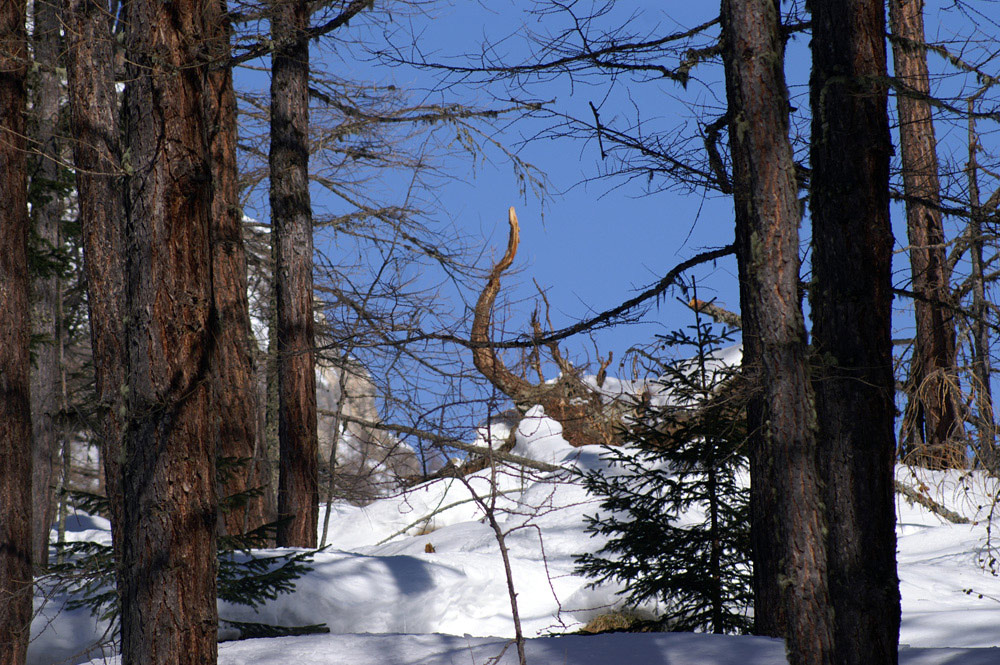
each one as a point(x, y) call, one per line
point(929, 503)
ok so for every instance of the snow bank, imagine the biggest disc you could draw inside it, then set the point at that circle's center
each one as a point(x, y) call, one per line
point(417, 570)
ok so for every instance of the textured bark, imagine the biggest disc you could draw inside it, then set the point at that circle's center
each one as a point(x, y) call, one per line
point(569, 400)
point(270, 362)
point(291, 221)
point(94, 127)
point(47, 209)
point(851, 301)
point(789, 552)
point(15, 413)
point(933, 431)
point(484, 357)
point(168, 589)
point(233, 375)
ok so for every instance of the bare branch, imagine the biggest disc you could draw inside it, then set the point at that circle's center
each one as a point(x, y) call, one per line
point(439, 440)
point(267, 46)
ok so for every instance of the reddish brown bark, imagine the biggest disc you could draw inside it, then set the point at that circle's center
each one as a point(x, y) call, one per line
point(932, 428)
point(789, 551)
point(47, 209)
point(851, 299)
point(291, 224)
point(168, 544)
point(94, 128)
point(233, 376)
point(15, 412)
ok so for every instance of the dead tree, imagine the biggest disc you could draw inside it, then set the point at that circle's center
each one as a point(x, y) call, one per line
point(578, 407)
point(981, 369)
point(932, 429)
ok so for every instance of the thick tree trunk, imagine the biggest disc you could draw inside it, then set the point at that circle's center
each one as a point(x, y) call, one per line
point(47, 208)
point(233, 376)
point(15, 412)
point(790, 594)
point(851, 301)
point(94, 127)
point(168, 588)
point(291, 221)
point(934, 400)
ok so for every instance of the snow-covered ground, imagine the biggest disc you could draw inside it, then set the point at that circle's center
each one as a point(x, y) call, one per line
point(418, 578)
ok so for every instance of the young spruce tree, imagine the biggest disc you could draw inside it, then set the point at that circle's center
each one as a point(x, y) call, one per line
point(672, 502)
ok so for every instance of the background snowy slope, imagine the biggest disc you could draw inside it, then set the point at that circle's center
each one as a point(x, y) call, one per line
point(380, 578)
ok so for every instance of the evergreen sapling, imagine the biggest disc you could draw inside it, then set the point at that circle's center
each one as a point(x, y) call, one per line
point(674, 502)
point(85, 570)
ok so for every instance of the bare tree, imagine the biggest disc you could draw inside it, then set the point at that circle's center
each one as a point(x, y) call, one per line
point(16, 582)
point(168, 564)
point(851, 299)
point(980, 352)
point(372, 235)
point(789, 553)
point(932, 428)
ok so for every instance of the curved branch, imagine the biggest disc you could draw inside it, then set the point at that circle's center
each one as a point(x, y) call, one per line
point(483, 352)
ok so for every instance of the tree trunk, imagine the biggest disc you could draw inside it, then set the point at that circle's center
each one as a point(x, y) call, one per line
point(851, 301)
point(933, 379)
point(981, 371)
point(291, 221)
point(790, 594)
point(270, 363)
point(47, 208)
point(168, 584)
point(15, 411)
point(94, 126)
point(233, 376)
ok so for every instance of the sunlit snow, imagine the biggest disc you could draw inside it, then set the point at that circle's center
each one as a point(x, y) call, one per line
point(417, 578)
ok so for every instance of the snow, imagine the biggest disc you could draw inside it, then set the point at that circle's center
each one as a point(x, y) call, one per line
point(418, 578)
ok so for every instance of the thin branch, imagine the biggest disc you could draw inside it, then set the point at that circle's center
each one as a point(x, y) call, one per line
point(269, 46)
point(525, 341)
point(654, 291)
point(439, 440)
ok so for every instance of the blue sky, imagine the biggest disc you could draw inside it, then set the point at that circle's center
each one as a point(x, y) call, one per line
point(590, 242)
